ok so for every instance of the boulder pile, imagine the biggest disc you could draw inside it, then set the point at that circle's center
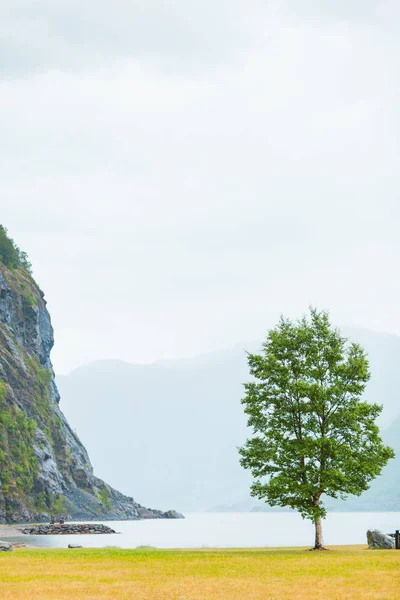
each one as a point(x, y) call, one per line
point(67, 529)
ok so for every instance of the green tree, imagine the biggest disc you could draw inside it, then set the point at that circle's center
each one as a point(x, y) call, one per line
point(312, 433)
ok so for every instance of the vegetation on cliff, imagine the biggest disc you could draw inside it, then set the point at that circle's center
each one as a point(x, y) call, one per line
point(10, 255)
point(18, 462)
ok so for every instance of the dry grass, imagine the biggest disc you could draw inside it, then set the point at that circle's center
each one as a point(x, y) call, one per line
point(108, 574)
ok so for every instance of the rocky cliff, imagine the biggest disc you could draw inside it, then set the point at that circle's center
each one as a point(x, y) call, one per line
point(44, 468)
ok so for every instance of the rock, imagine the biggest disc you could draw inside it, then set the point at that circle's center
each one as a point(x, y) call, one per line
point(74, 546)
point(148, 513)
point(145, 513)
point(173, 514)
point(81, 529)
point(377, 539)
point(6, 547)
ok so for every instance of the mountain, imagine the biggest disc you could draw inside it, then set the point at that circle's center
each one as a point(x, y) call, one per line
point(176, 422)
point(44, 468)
point(180, 421)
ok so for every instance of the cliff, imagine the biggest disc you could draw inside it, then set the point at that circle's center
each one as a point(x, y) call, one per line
point(44, 468)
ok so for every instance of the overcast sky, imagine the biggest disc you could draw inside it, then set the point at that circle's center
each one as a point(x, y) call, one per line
point(181, 172)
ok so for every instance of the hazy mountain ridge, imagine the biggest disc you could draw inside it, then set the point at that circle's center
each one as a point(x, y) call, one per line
point(181, 421)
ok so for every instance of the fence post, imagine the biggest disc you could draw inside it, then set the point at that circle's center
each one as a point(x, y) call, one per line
point(397, 539)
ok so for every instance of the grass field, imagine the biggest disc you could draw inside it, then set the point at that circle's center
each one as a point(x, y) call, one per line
point(341, 573)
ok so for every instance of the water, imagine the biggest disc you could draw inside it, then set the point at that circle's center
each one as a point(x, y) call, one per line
point(228, 530)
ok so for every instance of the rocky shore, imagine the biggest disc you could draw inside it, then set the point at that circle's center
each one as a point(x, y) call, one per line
point(148, 513)
point(67, 529)
point(7, 531)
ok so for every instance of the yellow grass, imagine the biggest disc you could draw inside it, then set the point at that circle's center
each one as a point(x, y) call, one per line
point(351, 572)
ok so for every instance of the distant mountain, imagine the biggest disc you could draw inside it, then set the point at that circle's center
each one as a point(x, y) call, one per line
point(170, 430)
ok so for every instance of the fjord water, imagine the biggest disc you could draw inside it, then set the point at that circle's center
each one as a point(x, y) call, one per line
point(229, 530)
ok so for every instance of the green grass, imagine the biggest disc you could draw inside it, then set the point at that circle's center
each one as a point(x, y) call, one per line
point(342, 573)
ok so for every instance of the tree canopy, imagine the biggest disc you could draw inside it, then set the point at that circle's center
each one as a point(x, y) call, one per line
point(10, 255)
point(313, 435)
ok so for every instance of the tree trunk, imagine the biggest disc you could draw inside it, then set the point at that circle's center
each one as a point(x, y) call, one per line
point(319, 542)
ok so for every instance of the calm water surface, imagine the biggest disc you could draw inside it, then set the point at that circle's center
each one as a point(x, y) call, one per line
point(229, 530)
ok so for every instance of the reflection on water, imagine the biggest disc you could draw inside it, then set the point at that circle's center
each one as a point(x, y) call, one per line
point(227, 530)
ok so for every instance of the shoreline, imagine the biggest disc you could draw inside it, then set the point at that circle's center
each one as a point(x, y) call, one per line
point(10, 531)
point(152, 551)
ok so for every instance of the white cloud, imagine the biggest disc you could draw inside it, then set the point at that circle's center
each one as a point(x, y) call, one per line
point(170, 213)
point(74, 35)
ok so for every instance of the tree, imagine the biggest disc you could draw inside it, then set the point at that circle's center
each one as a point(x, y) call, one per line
point(312, 433)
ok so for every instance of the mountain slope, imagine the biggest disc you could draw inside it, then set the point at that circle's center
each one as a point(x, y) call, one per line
point(169, 419)
point(181, 421)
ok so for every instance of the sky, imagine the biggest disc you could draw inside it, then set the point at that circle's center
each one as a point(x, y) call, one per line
point(181, 173)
